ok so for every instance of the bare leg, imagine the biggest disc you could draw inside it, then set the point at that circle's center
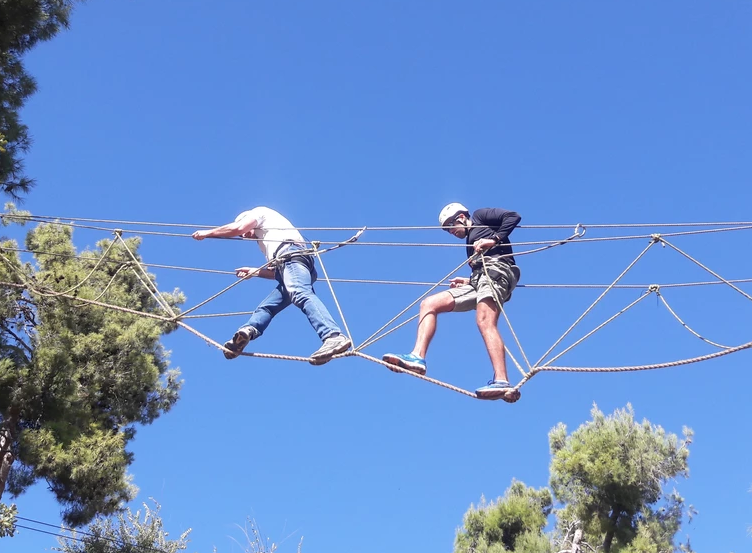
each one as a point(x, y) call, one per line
point(487, 317)
point(443, 302)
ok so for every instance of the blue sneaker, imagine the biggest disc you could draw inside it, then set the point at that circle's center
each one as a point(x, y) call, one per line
point(410, 362)
point(498, 389)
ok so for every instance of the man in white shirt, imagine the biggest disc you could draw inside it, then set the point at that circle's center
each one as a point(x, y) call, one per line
point(295, 275)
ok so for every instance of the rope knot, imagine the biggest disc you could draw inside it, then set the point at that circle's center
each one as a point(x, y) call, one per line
point(656, 237)
point(654, 288)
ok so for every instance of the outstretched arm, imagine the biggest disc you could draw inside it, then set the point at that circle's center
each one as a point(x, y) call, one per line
point(237, 228)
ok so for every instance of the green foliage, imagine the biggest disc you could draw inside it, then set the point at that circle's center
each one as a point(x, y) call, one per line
point(610, 473)
point(609, 476)
point(23, 24)
point(125, 533)
point(7, 520)
point(75, 379)
point(514, 522)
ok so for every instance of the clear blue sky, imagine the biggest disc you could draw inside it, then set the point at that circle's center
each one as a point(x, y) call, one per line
point(378, 113)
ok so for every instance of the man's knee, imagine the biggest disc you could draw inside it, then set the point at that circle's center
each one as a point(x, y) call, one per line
point(486, 315)
point(299, 296)
point(438, 303)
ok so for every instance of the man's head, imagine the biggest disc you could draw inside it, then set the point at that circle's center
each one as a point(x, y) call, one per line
point(455, 219)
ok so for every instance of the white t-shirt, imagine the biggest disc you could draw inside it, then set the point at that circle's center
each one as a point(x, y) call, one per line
point(272, 229)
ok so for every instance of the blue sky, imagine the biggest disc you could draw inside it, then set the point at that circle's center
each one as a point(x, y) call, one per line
point(376, 114)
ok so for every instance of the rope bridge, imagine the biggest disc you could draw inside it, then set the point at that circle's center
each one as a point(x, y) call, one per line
point(315, 249)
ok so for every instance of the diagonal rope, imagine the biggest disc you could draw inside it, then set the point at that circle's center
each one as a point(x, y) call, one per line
point(215, 296)
point(149, 284)
point(716, 275)
point(596, 329)
point(500, 305)
point(388, 332)
point(653, 241)
point(110, 283)
point(96, 266)
point(406, 309)
point(685, 325)
point(331, 289)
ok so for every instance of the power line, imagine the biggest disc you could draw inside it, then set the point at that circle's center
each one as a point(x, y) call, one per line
point(83, 532)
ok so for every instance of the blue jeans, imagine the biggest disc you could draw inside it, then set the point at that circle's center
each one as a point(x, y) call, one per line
point(295, 280)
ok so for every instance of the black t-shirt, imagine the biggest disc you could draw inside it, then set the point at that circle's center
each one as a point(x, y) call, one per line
point(494, 223)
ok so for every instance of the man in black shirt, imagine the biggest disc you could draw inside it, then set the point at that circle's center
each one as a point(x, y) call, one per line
point(494, 276)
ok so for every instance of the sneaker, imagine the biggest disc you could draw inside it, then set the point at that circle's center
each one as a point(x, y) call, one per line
point(410, 362)
point(498, 389)
point(331, 347)
point(240, 341)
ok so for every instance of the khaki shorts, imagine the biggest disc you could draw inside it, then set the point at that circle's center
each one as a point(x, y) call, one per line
point(501, 284)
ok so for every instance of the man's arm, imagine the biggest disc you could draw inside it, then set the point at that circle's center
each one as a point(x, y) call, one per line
point(237, 228)
point(501, 220)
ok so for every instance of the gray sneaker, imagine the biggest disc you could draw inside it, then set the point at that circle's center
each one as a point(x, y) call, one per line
point(331, 346)
point(240, 341)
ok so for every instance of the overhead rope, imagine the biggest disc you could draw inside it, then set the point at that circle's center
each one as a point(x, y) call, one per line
point(741, 226)
point(18, 217)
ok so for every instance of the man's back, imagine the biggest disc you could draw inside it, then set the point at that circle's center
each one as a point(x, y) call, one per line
point(272, 230)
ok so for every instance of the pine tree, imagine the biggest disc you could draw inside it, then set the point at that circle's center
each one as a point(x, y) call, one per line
point(76, 379)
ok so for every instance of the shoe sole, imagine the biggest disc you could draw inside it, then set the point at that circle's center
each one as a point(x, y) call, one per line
point(510, 395)
point(394, 360)
point(326, 357)
point(235, 346)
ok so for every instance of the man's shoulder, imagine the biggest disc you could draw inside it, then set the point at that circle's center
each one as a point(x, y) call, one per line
point(259, 211)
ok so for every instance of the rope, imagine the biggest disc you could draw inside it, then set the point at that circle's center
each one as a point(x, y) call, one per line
point(500, 305)
point(151, 287)
point(596, 329)
point(624, 272)
point(407, 282)
point(87, 277)
point(406, 309)
point(743, 226)
point(651, 367)
point(543, 226)
point(27, 286)
point(685, 325)
point(388, 332)
point(420, 376)
point(331, 289)
point(716, 275)
point(112, 280)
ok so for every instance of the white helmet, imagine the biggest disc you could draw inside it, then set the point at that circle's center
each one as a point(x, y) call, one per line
point(450, 211)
